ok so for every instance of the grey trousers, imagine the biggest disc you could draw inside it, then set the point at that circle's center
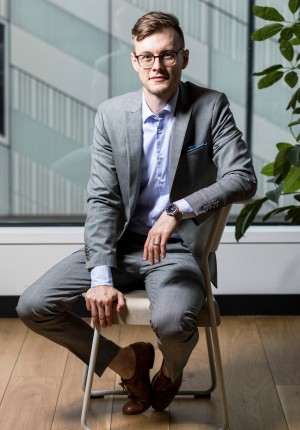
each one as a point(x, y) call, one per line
point(174, 287)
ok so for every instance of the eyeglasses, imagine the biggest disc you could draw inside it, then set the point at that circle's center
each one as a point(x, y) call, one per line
point(167, 59)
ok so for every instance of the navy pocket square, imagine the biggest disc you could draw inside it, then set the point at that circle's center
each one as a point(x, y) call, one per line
point(195, 147)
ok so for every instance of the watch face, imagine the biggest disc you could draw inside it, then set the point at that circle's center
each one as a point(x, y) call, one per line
point(172, 209)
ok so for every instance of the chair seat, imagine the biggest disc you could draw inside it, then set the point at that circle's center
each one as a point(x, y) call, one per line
point(137, 311)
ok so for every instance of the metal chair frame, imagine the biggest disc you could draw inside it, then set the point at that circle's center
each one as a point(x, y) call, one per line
point(209, 318)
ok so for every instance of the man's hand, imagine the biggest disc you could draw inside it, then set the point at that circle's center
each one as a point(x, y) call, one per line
point(158, 236)
point(99, 300)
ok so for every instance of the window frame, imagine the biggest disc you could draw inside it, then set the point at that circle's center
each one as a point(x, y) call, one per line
point(4, 138)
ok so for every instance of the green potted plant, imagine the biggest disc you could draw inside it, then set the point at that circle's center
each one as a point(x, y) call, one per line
point(284, 171)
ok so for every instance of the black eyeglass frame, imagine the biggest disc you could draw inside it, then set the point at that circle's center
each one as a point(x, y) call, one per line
point(160, 56)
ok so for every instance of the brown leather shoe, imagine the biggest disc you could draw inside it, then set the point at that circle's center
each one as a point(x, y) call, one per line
point(164, 390)
point(138, 386)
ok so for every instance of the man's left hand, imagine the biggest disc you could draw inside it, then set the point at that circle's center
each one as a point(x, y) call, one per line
point(158, 236)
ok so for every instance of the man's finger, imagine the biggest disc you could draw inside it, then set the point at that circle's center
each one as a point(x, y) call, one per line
point(145, 254)
point(108, 314)
point(95, 315)
point(157, 252)
point(151, 257)
point(87, 303)
point(146, 249)
point(163, 248)
point(120, 301)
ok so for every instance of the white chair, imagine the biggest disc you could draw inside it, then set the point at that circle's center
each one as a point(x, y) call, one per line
point(137, 313)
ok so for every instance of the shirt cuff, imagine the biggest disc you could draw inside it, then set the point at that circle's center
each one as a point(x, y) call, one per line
point(187, 211)
point(101, 275)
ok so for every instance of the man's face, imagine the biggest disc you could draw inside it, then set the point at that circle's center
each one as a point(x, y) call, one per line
point(160, 80)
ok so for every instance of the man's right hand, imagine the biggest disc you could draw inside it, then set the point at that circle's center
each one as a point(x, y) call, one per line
point(99, 300)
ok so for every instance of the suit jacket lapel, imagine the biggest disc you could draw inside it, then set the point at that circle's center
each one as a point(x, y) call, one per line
point(182, 115)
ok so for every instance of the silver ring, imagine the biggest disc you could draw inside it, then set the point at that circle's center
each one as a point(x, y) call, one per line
point(156, 244)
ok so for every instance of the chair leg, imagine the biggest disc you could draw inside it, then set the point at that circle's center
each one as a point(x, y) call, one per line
point(88, 379)
point(206, 392)
point(221, 383)
point(211, 356)
point(212, 366)
point(216, 371)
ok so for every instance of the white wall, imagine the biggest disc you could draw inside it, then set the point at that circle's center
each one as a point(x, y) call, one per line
point(266, 261)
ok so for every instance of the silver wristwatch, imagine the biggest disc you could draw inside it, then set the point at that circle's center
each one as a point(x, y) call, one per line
point(173, 210)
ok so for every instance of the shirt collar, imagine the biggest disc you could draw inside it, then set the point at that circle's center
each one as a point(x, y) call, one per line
point(169, 108)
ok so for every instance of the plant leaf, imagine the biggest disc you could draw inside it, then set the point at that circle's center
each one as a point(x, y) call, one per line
point(269, 79)
point(296, 30)
point(283, 146)
point(294, 156)
point(275, 212)
point(293, 215)
point(281, 166)
point(292, 181)
point(266, 32)
point(295, 41)
point(294, 5)
point(267, 13)
point(268, 70)
point(286, 33)
point(274, 195)
point(291, 124)
point(246, 217)
point(291, 78)
point(268, 169)
point(293, 101)
point(286, 49)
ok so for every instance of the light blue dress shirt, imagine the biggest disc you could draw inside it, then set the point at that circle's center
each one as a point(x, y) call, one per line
point(154, 188)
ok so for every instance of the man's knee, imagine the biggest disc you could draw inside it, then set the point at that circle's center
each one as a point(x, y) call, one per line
point(30, 309)
point(24, 308)
point(174, 325)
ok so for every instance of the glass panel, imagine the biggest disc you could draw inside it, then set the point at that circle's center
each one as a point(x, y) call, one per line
point(228, 58)
point(2, 80)
point(61, 29)
point(51, 134)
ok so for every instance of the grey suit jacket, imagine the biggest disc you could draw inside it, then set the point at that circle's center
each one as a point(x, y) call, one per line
point(209, 166)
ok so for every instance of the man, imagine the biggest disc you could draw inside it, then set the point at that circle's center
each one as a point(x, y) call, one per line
point(156, 157)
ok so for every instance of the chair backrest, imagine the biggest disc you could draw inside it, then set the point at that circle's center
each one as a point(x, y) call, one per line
point(217, 229)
